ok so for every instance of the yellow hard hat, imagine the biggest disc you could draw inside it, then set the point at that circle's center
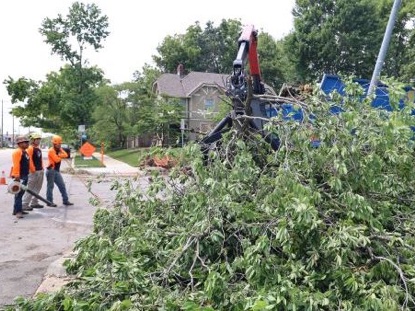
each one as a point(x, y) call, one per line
point(34, 136)
point(56, 140)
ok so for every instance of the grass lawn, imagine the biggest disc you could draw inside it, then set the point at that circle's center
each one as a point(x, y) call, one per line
point(80, 162)
point(134, 157)
point(129, 156)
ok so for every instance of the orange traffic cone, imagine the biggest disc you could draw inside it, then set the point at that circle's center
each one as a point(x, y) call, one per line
point(3, 179)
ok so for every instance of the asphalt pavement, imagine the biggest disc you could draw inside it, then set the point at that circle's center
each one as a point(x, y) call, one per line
point(33, 248)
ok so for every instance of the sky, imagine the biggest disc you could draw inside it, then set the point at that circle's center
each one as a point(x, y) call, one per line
point(136, 29)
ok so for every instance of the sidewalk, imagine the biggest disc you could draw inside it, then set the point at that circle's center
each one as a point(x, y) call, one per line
point(112, 167)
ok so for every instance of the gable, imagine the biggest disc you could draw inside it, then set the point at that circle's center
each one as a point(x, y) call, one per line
point(169, 84)
point(174, 85)
point(195, 80)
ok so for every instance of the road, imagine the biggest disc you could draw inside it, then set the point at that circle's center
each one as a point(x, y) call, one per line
point(31, 247)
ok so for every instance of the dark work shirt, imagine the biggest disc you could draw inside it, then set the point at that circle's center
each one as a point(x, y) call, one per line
point(24, 164)
point(58, 164)
point(37, 158)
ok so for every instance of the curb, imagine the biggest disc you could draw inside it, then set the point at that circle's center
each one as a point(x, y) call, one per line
point(55, 276)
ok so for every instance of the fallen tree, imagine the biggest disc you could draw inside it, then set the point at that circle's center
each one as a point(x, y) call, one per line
point(304, 228)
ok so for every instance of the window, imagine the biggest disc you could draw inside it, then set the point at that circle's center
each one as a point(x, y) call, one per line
point(209, 103)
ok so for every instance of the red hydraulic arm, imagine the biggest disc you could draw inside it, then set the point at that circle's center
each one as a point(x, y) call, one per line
point(248, 52)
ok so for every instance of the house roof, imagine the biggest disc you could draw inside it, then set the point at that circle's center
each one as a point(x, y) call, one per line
point(175, 85)
point(183, 86)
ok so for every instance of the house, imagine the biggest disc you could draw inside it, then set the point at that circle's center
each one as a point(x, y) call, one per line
point(200, 94)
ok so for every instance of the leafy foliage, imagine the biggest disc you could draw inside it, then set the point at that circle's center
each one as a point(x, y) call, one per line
point(132, 109)
point(303, 228)
point(111, 114)
point(345, 37)
point(58, 103)
point(67, 98)
point(84, 25)
point(326, 41)
point(328, 37)
point(208, 50)
point(408, 46)
point(398, 59)
point(214, 49)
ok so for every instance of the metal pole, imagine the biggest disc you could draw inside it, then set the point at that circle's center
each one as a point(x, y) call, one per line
point(384, 47)
point(13, 130)
point(102, 153)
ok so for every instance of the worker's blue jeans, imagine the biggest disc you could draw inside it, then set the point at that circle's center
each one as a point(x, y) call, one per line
point(18, 206)
point(54, 177)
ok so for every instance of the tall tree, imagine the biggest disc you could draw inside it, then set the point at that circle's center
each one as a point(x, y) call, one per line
point(67, 96)
point(214, 49)
point(271, 61)
point(207, 50)
point(408, 70)
point(54, 104)
point(110, 117)
point(87, 27)
point(152, 115)
point(399, 61)
point(84, 25)
point(334, 36)
point(132, 109)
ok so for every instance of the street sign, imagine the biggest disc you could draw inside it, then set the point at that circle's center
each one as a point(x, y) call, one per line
point(182, 124)
point(87, 150)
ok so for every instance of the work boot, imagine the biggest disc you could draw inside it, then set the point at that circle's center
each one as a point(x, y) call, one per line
point(67, 203)
point(36, 206)
point(51, 204)
point(19, 215)
point(24, 213)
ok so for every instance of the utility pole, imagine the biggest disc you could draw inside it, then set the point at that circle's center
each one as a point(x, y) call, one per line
point(384, 47)
point(13, 130)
